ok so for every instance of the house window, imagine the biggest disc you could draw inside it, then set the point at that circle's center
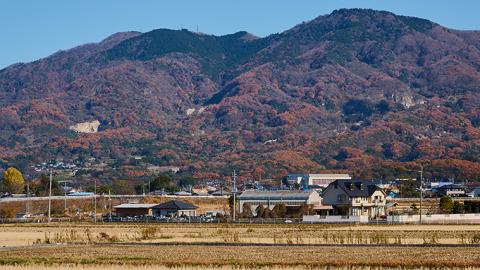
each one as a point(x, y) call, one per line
point(341, 198)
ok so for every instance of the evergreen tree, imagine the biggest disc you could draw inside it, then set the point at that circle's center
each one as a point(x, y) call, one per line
point(446, 205)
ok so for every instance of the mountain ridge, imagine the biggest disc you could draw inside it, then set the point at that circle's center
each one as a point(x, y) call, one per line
point(364, 91)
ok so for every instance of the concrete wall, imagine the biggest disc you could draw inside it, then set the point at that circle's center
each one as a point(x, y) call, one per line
point(335, 219)
point(439, 219)
point(313, 199)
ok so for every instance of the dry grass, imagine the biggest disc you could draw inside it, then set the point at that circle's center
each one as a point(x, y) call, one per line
point(24, 235)
point(97, 246)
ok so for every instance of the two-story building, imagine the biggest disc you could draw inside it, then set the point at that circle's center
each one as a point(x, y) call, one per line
point(451, 190)
point(321, 180)
point(355, 198)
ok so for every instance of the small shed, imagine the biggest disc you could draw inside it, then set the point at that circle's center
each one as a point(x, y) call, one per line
point(175, 208)
point(133, 209)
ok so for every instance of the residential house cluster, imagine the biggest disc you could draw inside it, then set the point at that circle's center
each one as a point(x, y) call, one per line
point(340, 197)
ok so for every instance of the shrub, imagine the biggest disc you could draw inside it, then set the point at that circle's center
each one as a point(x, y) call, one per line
point(8, 212)
point(148, 233)
point(357, 110)
point(458, 208)
point(446, 205)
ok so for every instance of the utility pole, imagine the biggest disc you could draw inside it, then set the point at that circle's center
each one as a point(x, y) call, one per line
point(421, 191)
point(27, 211)
point(50, 197)
point(234, 195)
point(95, 201)
point(109, 206)
point(65, 196)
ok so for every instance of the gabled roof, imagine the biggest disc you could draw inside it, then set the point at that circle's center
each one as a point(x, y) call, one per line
point(176, 205)
point(356, 188)
point(451, 186)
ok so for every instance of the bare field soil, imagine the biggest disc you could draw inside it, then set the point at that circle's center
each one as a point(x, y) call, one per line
point(30, 234)
point(243, 256)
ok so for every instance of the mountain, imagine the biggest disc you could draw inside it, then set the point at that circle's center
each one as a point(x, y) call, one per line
point(363, 91)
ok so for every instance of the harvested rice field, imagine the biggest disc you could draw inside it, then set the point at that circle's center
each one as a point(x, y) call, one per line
point(243, 256)
point(244, 246)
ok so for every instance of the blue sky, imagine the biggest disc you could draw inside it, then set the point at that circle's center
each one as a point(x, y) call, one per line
point(34, 29)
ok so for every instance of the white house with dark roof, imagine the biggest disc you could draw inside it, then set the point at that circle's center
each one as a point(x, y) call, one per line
point(175, 209)
point(355, 198)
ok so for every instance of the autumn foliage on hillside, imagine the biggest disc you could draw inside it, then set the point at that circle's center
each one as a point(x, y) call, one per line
point(359, 91)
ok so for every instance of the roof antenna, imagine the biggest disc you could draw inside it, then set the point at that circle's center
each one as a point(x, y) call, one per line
point(197, 28)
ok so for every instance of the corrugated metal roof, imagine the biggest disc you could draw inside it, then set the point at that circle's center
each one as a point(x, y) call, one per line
point(134, 205)
point(275, 195)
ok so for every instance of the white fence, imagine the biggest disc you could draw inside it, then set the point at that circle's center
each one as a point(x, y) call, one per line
point(335, 219)
point(436, 219)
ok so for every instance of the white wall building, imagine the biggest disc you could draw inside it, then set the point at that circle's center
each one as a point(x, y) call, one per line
point(271, 198)
point(319, 179)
